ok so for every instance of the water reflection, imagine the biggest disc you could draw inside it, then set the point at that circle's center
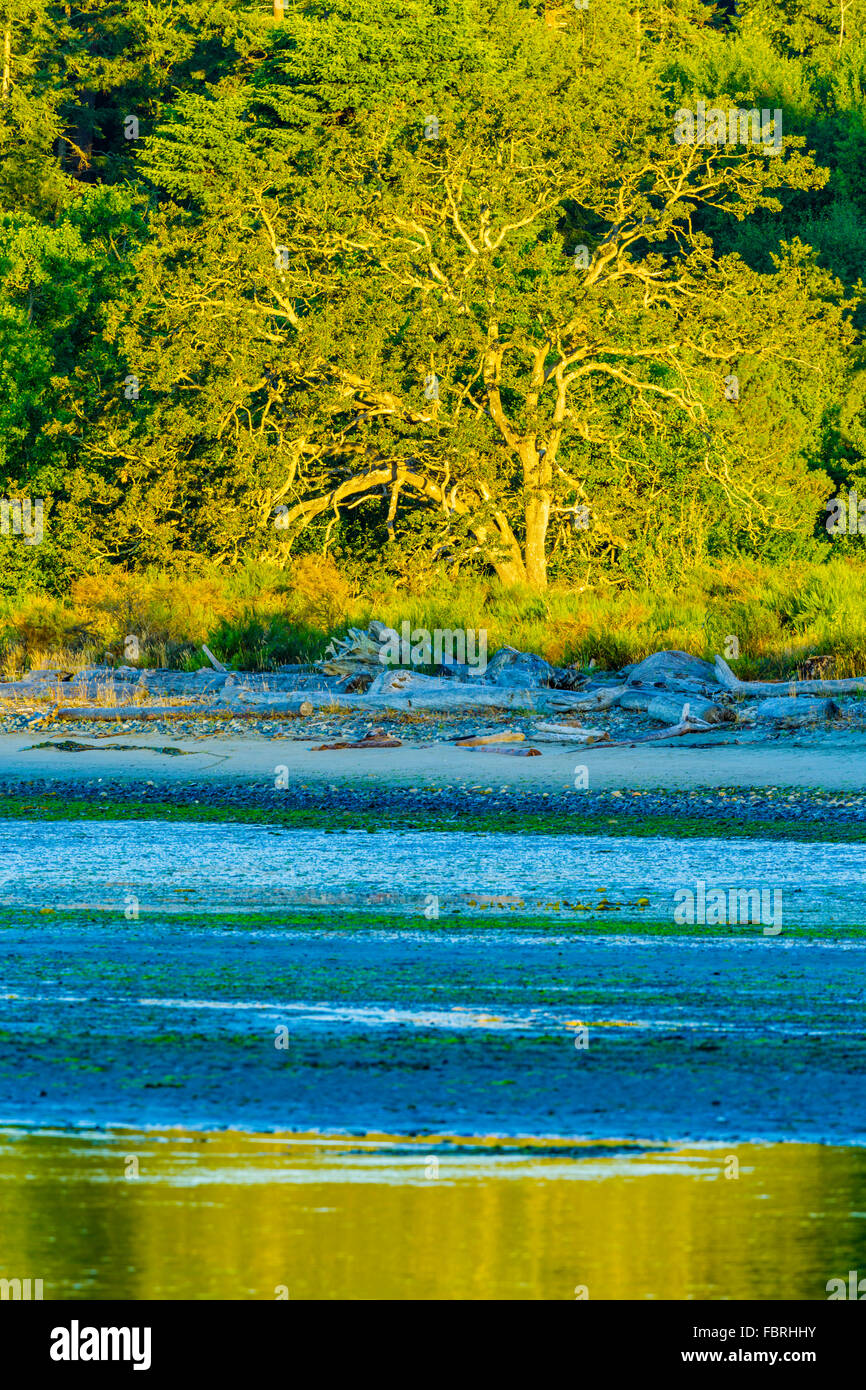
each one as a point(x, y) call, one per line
point(235, 1216)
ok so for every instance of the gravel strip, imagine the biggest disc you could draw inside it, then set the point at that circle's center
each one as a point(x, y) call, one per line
point(456, 801)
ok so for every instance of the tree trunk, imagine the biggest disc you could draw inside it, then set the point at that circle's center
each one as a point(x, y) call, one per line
point(279, 11)
point(509, 572)
point(84, 135)
point(7, 62)
point(537, 484)
point(537, 518)
point(509, 566)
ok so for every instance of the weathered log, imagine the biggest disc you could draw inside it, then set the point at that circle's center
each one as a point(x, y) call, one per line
point(404, 683)
point(689, 726)
point(671, 669)
point(708, 689)
point(567, 733)
point(262, 706)
point(670, 708)
point(49, 673)
point(804, 708)
point(603, 697)
point(114, 712)
point(479, 740)
point(462, 697)
point(518, 670)
point(217, 665)
point(181, 685)
point(376, 738)
point(749, 688)
point(508, 752)
point(638, 699)
point(18, 690)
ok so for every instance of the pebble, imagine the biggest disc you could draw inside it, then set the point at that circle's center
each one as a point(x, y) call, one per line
point(737, 806)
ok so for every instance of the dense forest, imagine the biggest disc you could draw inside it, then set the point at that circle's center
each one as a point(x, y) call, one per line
point(429, 285)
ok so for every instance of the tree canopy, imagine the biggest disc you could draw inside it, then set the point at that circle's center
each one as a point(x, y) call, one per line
point(431, 280)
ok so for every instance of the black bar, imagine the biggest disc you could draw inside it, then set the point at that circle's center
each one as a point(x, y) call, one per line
point(303, 1342)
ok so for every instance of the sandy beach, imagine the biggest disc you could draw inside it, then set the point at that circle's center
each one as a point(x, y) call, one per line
point(835, 762)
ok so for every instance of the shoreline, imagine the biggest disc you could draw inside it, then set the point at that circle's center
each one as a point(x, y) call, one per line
point(830, 762)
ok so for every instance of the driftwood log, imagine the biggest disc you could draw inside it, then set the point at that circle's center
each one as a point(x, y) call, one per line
point(783, 688)
point(802, 708)
point(687, 726)
point(376, 738)
point(217, 665)
point(115, 713)
point(504, 752)
point(480, 740)
point(602, 698)
point(669, 708)
point(567, 733)
point(457, 698)
point(673, 670)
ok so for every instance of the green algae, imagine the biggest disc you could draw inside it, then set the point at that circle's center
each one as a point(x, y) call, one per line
point(334, 818)
point(349, 920)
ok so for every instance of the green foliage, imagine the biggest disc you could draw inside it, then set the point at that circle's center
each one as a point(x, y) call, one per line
point(281, 259)
point(259, 617)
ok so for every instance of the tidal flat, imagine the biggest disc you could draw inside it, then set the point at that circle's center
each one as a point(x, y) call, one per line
point(237, 1059)
point(498, 1028)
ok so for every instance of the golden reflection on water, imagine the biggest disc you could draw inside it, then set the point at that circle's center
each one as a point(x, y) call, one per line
point(240, 1216)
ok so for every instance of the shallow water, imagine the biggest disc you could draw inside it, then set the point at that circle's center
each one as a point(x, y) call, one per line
point(211, 867)
point(499, 1029)
point(604, 1085)
point(255, 1217)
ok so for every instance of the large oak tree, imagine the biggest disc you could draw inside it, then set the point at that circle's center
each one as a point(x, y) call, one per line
point(452, 253)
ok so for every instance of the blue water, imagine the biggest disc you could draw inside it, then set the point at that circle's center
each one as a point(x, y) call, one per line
point(214, 867)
